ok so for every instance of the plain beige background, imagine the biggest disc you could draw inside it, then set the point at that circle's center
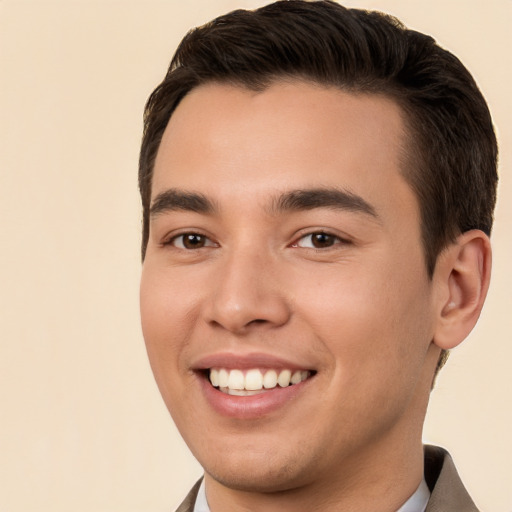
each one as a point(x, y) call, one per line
point(82, 425)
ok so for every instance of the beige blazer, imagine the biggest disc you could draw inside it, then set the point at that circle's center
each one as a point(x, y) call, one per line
point(448, 493)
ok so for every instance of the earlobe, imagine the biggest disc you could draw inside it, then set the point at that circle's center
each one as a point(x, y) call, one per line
point(463, 275)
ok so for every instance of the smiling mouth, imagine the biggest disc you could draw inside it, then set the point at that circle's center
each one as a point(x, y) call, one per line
point(254, 381)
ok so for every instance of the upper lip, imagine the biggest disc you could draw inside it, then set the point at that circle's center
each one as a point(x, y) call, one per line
point(247, 361)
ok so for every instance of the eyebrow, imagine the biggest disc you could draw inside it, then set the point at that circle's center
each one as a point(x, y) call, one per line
point(175, 200)
point(309, 199)
point(293, 200)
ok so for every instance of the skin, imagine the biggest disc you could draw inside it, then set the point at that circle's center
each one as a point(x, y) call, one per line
point(360, 310)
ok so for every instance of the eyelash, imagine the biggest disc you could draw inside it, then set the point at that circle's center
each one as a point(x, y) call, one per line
point(336, 240)
point(172, 241)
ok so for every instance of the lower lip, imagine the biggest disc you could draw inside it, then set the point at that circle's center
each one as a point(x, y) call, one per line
point(254, 406)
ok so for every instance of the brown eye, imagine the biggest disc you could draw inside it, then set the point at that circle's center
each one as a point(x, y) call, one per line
point(321, 240)
point(318, 240)
point(191, 241)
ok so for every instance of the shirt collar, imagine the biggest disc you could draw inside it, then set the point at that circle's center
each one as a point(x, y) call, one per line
point(201, 504)
point(418, 501)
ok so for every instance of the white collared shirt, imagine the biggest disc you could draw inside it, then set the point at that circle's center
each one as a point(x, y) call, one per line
point(416, 503)
point(201, 504)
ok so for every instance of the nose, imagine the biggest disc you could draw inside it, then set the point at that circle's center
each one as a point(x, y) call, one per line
point(248, 294)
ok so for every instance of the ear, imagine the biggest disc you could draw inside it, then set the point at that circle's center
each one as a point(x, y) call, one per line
point(462, 278)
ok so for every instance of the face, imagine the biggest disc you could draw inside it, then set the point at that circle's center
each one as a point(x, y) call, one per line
point(285, 304)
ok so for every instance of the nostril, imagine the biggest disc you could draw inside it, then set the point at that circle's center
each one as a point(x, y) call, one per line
point(257, 321)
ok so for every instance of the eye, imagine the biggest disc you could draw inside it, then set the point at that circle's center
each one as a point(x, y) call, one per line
point(318, 240)
point(190, 241)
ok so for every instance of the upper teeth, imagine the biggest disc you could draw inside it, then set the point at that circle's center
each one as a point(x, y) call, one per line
point(255, 379)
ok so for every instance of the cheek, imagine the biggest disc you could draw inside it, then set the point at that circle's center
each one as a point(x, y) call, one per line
point(163, 315)
point(166, 328)
point(369, 318)
point(167, 301)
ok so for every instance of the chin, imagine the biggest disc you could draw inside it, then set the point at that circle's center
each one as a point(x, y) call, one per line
point(249, 478)
point(266, 471)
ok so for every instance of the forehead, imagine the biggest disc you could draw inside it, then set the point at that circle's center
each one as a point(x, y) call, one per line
point(223, 139)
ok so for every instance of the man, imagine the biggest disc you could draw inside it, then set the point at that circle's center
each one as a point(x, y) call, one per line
point(318, 186)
